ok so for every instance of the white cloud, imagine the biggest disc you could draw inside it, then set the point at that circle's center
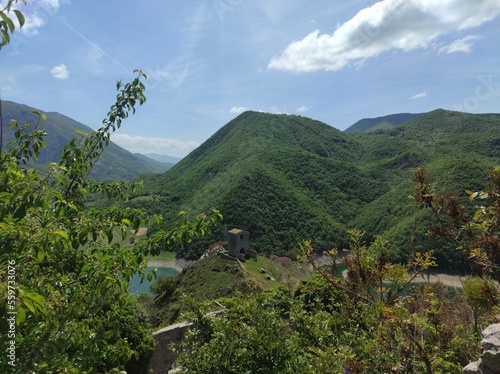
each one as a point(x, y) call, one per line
point(386, 25)
point(420, 95)
point(238, 109)
point(163, 146)
point(60, 72)
point(36, 14)
point(460, 45)
point(303, 108)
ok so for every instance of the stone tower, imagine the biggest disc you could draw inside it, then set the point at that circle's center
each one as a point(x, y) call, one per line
point(239, 244)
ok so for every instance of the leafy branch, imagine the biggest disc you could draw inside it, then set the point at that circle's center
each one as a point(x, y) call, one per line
point(7, 25)
point(475, 235)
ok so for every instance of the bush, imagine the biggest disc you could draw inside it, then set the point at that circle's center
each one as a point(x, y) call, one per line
point(164, 286)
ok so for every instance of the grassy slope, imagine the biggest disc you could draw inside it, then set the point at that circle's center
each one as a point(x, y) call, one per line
point(215, 277)
point(204, 280)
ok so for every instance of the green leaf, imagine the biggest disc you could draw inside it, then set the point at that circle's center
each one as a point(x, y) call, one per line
point(20, 316)
point(20, 17)
point(7, 21)
point(150, 276)
point(5, 37)
point(109, 235)
point(62, 233)
point(40, 256)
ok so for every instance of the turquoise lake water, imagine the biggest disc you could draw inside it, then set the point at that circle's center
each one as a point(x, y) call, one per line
point(136, 287)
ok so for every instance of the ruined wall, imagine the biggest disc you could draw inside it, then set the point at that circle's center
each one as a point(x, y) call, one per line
point(163, 357)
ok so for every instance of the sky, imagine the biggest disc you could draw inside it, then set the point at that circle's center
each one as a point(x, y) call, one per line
point(207, 61)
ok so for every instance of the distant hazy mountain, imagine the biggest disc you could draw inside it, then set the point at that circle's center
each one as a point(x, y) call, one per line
point(116, 163)
point(287, 178)
point(163, 158)
point(382, 123)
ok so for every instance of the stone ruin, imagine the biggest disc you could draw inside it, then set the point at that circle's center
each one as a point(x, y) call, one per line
point(239, 245)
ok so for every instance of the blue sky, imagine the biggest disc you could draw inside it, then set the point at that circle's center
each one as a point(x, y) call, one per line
point(209, 60)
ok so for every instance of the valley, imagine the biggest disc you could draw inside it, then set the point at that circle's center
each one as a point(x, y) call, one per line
point(298, 186)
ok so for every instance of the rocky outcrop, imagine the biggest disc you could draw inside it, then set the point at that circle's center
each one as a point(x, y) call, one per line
point(489, 362)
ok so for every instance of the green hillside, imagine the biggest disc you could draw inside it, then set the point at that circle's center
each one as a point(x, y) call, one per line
point(115, 164)
point(266, 173)
point(287, 178)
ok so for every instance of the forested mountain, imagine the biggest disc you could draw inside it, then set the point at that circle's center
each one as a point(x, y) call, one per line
point(116, 163)
point(287, 178)
point(163, 158)
point(382, 123)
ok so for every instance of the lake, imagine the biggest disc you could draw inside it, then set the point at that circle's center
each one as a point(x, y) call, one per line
point(136, 287)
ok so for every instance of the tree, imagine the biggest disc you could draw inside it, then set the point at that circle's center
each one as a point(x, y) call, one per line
point(474, 231)
point(65, 294)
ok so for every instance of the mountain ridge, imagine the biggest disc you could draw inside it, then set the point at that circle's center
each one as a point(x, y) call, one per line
point(116, 162)
point(382, 122)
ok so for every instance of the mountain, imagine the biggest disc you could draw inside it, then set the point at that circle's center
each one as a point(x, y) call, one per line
point(163, 158)
point(166, 165)
point(116, 163)
point(382, 123)
point(266, 173)
point(287, 178)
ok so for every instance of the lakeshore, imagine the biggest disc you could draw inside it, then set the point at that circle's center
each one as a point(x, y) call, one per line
point(178, 264)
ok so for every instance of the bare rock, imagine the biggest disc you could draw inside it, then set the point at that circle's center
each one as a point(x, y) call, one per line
point(489, 362)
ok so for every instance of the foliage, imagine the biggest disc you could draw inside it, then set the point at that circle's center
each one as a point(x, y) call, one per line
point(7, 25)
point(205, 280)
point(69, 276)
point(334, 323)
point(483, 295)
point(475, 234)
point(368, 316)
point(164, 286)
point(252, 338)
